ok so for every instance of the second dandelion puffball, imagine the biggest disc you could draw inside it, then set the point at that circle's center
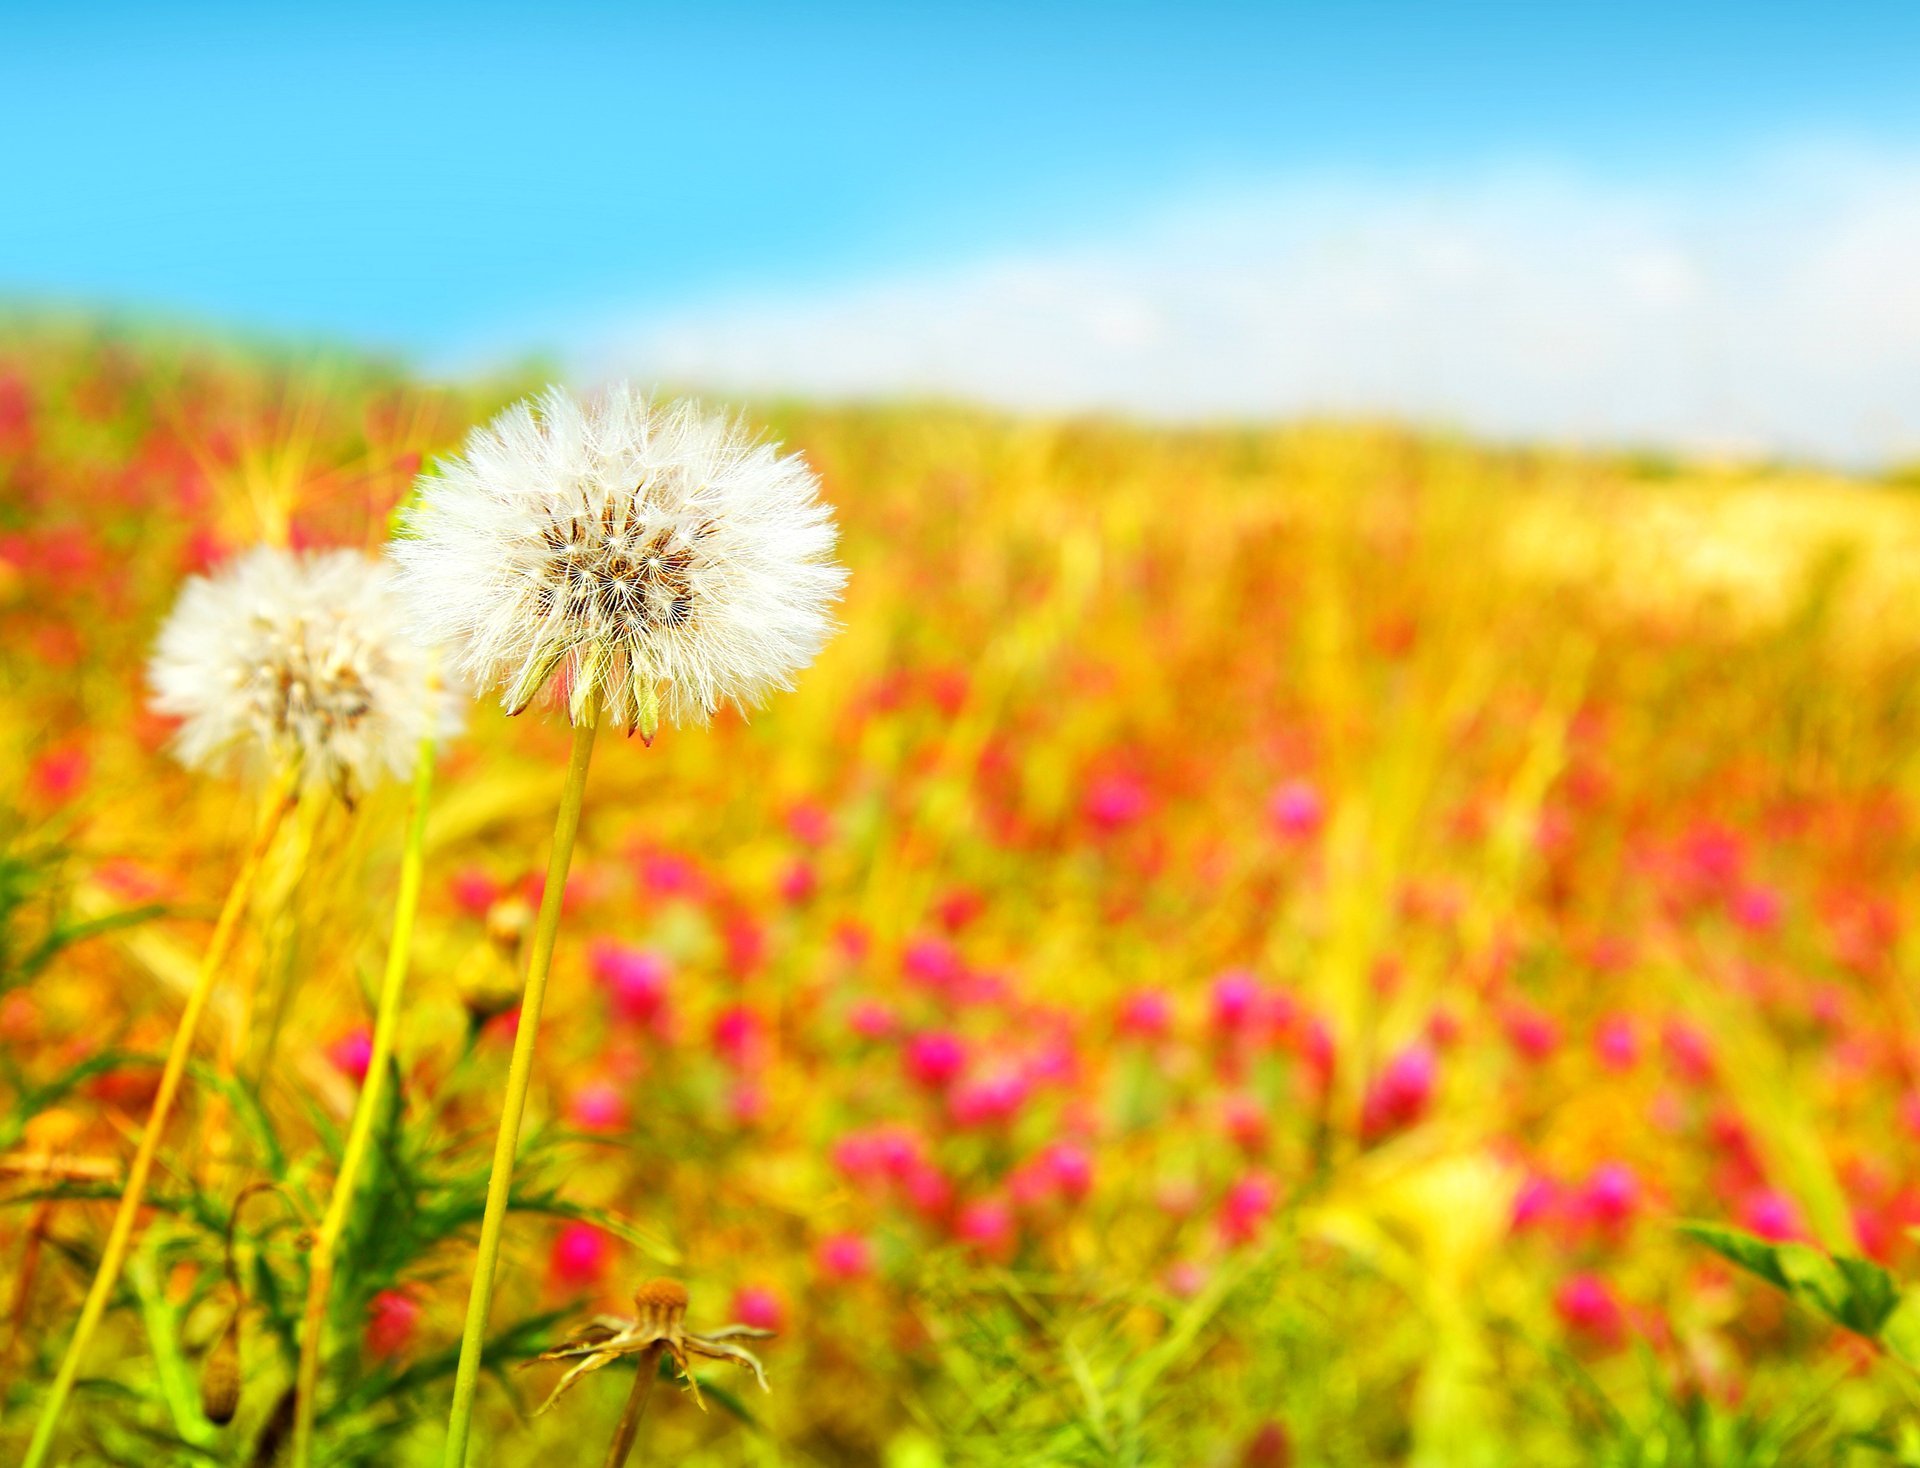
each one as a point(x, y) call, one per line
point(280, 656)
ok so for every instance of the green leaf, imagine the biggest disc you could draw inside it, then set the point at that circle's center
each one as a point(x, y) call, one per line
point(1756, 1256)
point(1855, 1294)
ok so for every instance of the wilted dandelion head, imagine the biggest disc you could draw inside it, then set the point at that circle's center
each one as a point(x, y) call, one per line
point(652, 558)
point(278, 655)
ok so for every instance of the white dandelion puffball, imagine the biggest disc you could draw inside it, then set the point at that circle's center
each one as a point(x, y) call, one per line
point(645, 557)
point(280, 655)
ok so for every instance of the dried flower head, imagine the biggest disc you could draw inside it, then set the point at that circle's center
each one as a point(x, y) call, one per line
point(645, 557)
point(658, 1326)
point(279, 655)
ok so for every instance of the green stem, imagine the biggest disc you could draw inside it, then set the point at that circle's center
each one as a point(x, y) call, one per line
point(519, 1073)
point(621, 1448)
point(127, 1214)
point(366, 1111)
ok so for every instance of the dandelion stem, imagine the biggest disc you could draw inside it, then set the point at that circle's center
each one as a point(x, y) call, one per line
point(621, 1448)
point(519, 1073)
point(366, 1110)
point(279, 801)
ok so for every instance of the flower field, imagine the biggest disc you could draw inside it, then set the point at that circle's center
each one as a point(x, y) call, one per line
point(1252, 945)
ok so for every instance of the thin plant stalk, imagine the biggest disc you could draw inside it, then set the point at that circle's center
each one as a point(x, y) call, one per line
point(366, 1110)
point(621, 1448)
point(280, 800)
point(519, 1072)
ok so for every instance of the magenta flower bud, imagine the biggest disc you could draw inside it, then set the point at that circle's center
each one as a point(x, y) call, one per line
point(1296, 810)
point(579, 1256)
point(1236, 1000)
point(352, 1053)
point(844, 1257)
point(1116, 801)
point(935, 1059)
point(1586, 1304)
point(1147, 1013)
point(635, 981)
point(598, 1106)
point(759, 1307)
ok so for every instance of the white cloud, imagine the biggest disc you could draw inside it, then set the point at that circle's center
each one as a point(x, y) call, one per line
point(1777, 309)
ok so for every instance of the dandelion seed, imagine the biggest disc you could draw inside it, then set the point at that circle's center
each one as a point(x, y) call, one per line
point(646, 559)
point(279, 656)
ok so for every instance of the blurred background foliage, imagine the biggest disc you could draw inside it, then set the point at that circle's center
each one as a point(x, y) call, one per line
point(1240, 953)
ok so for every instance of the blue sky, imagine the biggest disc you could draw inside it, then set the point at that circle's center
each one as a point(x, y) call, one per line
point(458, 180)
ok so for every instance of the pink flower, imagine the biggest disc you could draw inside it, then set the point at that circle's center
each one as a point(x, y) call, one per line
point(738, 1035)
point(1245, 1120)
point(800, 882)
point(579, 1256)
point(958, 908)
point(987, 1224)
point(391, 1318)
point(667, 874)
point(1714, 854)
point(994, 1100)
point(352, 1053)
point(59, 774)
point(598, 1106)
point(897, 1150)
point(935, 1059)
point(1585, 1303)
point(928, 1190)
point(1185, 1279)
point(1400, 1094)
point(1534, 1034)
point(1910, 1112)
point(1319, 1054)
point(1236, 1000)
point(871, 1020)
point(1771, 1215)
point(1296, 810)
point(853, 940)
point(747, 1101)
point(129, 879)
point(1611, 1196)
point(1688, 1051)
point(578, 888)
point(810, 823)
point(635, 981)
point(1615, 1043)
point(746, 945)
point(1757, 909)
point(1245, 1209)
point(1116, 801)
point(932, 963)
point(474, 892)
point(759, 1307)
point(845, 1257)
point(1147, 1013)
point(1536, 1202)
point(1070, 1169)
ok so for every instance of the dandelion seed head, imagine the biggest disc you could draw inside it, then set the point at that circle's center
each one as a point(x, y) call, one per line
point(655, 558)
point(279, 655)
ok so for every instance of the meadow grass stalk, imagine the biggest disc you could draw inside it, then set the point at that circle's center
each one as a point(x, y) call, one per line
point(280, 799)
point(365, 1112)
point(519, 1073)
